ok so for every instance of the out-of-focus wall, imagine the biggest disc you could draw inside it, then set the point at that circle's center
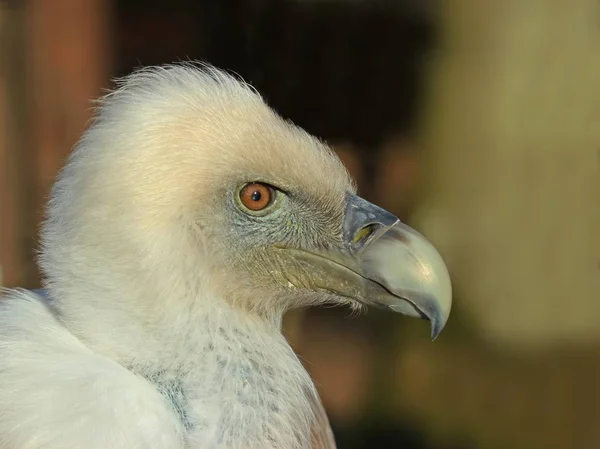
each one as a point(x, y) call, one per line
point(515, 169)
point(7, 252)
point(512, 200)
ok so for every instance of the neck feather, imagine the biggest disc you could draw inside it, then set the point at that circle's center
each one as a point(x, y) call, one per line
point(229, 374)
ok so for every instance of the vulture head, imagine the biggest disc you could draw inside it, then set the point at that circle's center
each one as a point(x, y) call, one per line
point(189, 218)
point(188, 190)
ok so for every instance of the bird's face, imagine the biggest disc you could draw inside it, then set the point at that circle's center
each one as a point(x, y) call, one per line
point(208, 182)
point(292, 245)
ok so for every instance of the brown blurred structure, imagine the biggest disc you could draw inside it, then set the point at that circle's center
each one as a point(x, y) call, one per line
point(54, 60)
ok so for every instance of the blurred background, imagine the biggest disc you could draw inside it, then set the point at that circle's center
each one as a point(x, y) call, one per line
point(476, 122)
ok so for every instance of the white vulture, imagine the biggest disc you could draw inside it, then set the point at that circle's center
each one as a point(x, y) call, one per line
point(189, 218)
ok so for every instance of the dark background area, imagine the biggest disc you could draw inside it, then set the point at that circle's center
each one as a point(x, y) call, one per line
point(347, 72)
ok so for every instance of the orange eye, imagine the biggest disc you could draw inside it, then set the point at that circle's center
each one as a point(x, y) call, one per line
point(256, 196)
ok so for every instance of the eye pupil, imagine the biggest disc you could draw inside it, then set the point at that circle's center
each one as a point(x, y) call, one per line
point(256, 195)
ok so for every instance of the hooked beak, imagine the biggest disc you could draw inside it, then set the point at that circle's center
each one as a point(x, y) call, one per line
point(384, 263)
point(394, 256)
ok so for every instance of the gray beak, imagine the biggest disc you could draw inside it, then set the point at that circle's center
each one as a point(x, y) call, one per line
point(381, 262)
point(408, 274)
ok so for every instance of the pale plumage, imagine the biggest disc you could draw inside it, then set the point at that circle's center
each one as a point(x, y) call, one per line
point(166, 292)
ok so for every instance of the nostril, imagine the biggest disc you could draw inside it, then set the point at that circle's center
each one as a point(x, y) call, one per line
point(363, 234)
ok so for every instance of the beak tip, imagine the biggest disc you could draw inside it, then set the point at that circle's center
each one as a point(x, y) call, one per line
point(439, 316)
point(436, 310)
point(436, 328)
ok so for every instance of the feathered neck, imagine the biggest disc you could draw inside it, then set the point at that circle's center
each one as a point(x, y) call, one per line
point(229, 375)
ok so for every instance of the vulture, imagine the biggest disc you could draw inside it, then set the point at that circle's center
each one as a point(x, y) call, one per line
point(188, 219)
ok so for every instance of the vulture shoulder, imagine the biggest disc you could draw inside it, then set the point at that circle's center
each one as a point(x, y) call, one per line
point(50, 380)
